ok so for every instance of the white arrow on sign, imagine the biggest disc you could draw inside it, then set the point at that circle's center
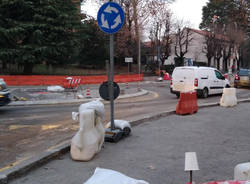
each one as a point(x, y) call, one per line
point(117, 22)
point(104, 22)
point(109, 9)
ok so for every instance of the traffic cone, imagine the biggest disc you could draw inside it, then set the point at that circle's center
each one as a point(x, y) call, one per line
point(88, 93)
point(167, 76)
point(127, 85)
point(138, 87)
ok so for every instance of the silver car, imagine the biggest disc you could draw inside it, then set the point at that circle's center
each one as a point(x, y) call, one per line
point(4, 93)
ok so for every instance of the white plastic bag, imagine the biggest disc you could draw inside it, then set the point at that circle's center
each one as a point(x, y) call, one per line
point(120, 124)
point(107, 176)
point(55, 88)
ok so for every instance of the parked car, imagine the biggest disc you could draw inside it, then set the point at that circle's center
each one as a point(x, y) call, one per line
point(204, 80)
point(4, 93)
point(242, 78)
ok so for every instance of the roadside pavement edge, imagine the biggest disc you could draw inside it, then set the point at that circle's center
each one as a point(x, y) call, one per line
point(77, 101)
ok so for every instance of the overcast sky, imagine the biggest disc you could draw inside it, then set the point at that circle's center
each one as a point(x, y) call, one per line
point(188, 10)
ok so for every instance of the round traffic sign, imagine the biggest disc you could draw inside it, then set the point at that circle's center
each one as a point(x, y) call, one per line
point(104, 90)
point(110, 17)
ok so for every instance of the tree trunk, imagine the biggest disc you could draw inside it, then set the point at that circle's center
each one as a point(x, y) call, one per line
point(218, 63)
point(225, 69)
point(137, 32)
point(28, 67)
point(209, 61)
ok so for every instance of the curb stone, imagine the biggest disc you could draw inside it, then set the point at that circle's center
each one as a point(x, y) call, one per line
point(61, 101)
point(33, 162)
point(43, 158)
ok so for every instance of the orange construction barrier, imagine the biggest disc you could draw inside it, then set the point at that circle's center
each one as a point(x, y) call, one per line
point(46, 80)
point(187, 103)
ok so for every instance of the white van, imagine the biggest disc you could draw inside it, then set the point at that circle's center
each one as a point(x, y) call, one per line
point(204, 80)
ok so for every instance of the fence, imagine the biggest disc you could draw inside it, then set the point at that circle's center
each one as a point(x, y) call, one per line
point(45, 80)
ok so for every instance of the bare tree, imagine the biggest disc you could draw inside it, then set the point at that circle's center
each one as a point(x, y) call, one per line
point(182, 40)
point(137, 13)
point(160, 31)
point(209, 46)
point(233, 39)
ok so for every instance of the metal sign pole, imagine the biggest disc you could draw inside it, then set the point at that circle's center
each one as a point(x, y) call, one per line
point(110, 19)
point(111, 79)
point(128, 68)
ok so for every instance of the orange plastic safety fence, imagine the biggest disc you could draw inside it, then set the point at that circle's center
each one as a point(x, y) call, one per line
point(45, 80)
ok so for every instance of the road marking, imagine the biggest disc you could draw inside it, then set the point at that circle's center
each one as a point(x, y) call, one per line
point(43, 127)
point(14, 127)
point(13, 164)
point(156, 95)
point(48, 127)
point(58, 145)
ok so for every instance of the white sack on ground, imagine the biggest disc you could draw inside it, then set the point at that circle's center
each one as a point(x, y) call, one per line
point(90, 137)
point(120, 124)
point(75, 116)
point(107, 176)
point(55, 88)
point(228, 98)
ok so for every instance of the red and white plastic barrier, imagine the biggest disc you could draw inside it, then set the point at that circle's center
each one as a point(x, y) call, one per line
point(187, 103)
point(167, 76)
point(228, 182)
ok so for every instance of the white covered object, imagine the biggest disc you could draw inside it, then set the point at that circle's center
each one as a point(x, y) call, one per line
point(79, 96)
point(159, 79)
point(96, 105)
point(55, 88)
point(120, 124)
point(228, 98)
point(90, 137)
point(107, 176)
point(242, 171)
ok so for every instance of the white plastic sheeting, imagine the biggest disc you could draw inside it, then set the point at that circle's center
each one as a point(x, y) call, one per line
point(120, 124)
point(242, 171)
point(107, 176)
point(90, 137)
point(55, 88)
point(228, 98)
point(96, 105)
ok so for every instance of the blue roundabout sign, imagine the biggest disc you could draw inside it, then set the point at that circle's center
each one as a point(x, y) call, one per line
point(110, 17)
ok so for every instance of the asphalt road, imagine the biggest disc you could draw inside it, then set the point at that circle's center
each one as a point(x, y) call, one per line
point(155, 150)
point(28, 130)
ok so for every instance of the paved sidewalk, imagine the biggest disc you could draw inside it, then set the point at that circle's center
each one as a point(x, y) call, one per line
point(155, 150)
